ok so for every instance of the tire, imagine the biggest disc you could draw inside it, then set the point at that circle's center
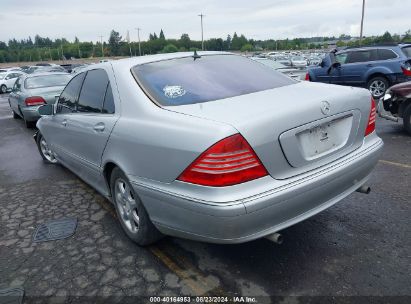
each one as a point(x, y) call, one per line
point(377, 86)
point(3, 89)
point(29, 124)
point(45, 152)
point(407, 119)
point(131, 213)
point(15, 115)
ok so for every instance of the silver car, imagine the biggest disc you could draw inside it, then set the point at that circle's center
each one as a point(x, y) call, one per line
point(30, 91)
point(212, 147)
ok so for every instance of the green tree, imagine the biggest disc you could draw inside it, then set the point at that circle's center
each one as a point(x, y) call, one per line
point(185, 41)
point(247, 48)
point(169, 48)
point(114, 42)
point(162, 35)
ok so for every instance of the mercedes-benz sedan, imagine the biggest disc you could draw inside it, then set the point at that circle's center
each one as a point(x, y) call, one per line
point(211, 146)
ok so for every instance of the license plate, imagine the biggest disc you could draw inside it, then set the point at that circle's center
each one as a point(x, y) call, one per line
point(325, 138)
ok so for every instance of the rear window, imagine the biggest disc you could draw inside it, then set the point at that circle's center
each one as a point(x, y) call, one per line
point(187, 81)
point(46, 81)
point(407, 51)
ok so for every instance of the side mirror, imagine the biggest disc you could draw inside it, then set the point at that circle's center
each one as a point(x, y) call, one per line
point(47, 109)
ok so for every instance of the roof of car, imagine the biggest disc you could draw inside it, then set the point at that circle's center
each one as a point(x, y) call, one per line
point(45, 74)
point(129, 62)
point(377, 46)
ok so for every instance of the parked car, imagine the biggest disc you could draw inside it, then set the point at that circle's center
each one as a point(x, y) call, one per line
point(396, 103)
point(282, 59)
point(8, 79)
point(294, 73)
point(375, 68)
point(298, 62)
point(212, 146)
point(30, 91)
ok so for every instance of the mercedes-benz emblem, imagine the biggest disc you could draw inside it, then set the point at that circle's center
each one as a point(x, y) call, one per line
point(325, 107)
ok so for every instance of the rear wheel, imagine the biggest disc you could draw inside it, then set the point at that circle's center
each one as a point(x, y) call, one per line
point(377, 86)
point(131, 212)
point(45, 151)
point(407, 119)
point(15, 115)
point(3, 89)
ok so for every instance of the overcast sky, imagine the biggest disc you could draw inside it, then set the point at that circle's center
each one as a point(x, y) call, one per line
point(258, 19)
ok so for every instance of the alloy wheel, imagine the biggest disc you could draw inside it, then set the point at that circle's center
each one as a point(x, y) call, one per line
point(45, 150)
point(377, 88)
point(126, 206)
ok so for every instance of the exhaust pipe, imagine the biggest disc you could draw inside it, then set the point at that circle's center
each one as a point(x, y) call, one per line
point(364, 189)
point(275, 237)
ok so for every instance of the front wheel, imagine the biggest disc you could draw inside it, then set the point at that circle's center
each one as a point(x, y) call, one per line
point(45, 152)
point(131, 212)
point(407, 119)
point(377, 86)
point(3, 89)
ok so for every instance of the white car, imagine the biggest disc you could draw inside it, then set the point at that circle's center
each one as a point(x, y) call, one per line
point(8, 79)
point(298, 61)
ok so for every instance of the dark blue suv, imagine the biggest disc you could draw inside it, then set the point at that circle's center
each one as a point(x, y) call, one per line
point(373, 67)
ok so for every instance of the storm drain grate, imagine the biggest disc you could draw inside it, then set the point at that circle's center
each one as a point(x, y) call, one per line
point(11, 295)
point(55, 230)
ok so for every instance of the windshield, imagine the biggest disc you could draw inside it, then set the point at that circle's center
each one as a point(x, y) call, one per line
point(184, 81)
point(46, 81)
point(407, 51)
point(2, 75)
point(298, 58)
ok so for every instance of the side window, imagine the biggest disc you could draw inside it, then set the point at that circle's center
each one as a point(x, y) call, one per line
point(108, 106)
point(68, 98)
point(341, 58)
point(93, 92)
point(362, 56)
point(384, 54)
point(17, 85)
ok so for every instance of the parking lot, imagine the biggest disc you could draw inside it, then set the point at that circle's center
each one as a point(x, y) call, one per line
point(359, 247)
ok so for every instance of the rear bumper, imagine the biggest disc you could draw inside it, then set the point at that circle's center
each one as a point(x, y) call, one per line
point(30, 113)
point(264, 213)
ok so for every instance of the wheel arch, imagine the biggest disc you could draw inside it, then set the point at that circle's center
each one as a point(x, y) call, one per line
point(379, 74)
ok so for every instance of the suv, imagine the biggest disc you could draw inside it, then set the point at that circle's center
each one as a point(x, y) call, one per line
point(375, 67)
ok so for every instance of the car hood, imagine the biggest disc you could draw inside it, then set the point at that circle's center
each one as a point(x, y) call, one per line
point(402, 89)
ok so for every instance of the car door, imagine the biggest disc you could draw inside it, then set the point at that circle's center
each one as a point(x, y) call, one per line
point(356, 66)
point(89, 127)
point(55, 128)
point(15, 95)
point(326, 74)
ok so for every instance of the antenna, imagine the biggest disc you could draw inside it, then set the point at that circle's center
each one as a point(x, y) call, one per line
point(195, 55)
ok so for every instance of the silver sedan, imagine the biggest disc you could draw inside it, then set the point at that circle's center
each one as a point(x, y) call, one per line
point(30, 91)
point(211, 146)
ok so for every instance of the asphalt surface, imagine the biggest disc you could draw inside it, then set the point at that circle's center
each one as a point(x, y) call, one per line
point(360, 247)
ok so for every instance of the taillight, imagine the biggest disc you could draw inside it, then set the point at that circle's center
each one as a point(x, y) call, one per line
point(406, 71)
point(34, 101)
point(228, 162)
point(371, 119)
point(307, 77)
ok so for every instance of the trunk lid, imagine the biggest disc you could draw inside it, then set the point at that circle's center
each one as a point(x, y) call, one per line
point(295, 128)
point(49, 94)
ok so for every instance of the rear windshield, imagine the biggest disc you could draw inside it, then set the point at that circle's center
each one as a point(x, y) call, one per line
point(407, 51)
point(187, 81)
point(46, 81)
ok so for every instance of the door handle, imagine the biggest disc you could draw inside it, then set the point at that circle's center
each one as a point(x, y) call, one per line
point(99, 127)
point(64, 122)
point(370, 65)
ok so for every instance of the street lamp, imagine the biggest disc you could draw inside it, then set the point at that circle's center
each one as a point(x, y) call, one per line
point(362, 19)
point(139, 43)
point(202, 34)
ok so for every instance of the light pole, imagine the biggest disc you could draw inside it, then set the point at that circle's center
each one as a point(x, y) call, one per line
point(362, 19)
point(139, 43)
point(102, 49)
point(202, 33)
